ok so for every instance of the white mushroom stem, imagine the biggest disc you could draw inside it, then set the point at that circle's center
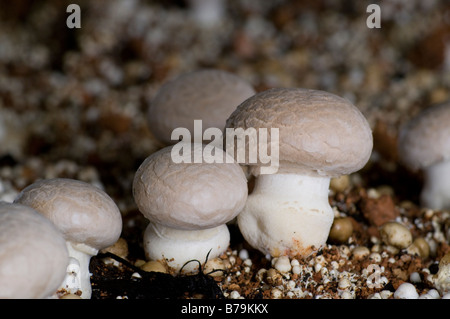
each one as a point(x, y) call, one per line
point(435, 193)
point(180, 246)
point(287, 214)
point(72, 282)
point(82, 254)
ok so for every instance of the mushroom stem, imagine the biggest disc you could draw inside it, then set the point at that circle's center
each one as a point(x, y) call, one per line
point(435, 193)
point(177, 246)
point(82, 254)
point(287, 214)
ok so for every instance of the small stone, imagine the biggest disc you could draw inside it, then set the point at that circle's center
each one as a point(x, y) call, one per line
point(341, 230)
point(406, 291)
point(273, 277)
point(385, 294)
point(375, 257)
point(154, 266)
point(283, 264)
point(235, 294)
point(276, 293)
point(415, 277)
point(360, 252)
point(344, 283)
point(243, 254)
point(420, 247)
point(215, 267)
point(340, 184)
point(395, 234)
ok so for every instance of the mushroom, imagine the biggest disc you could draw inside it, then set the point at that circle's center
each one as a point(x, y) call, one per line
point(33, 254)
point(424, 144)
point(207, 95)
point(88, 218)
point(321, 136)
point(188, 205)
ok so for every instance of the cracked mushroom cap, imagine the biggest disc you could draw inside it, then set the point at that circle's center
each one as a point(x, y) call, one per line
point(189, 196)
point(425, 139)
point(208, 95)
point(319, 133)
point(84, 213)
point(33, 254)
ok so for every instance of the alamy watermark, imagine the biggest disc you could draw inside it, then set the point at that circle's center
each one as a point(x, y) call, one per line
point(249, 146)
point(375, 278)
point(373, 20)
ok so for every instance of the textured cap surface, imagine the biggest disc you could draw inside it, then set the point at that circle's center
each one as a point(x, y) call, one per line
point(319, 132)
point(84, 213)
point(207, 95)
point(33, 253)
point(189, 195)
point(425, 139)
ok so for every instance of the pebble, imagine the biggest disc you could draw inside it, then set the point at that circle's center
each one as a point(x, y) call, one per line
point(420, 247)
point(282, 264)
point(340, 184)
point(395, 234)
point(360, 252)
point(235, 294)
point(341, 230)
point(375, 257)
point(243, 254)
point(276, 293)
point(154, 266)
point(415, 277)
point(215, 267)
point(406, 291)
point(344, 283)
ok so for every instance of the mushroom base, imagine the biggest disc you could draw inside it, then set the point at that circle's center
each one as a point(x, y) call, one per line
point(287, 214)
point(177, 247)
point(436, 191)
point(78, 276)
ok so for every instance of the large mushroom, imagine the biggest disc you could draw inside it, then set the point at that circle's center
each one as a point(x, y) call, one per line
point(208, 95)
point(424, 144)
point(33, 254)
point(188, 205)
point(88, 218)
point(321, 136)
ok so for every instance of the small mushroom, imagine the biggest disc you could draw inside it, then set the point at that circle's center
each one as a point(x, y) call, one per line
point(33, 254)
point(209, 95)
point(441, 280)
point(88, 218)
point(188, 206)
point(424, 144)
point(320, 136)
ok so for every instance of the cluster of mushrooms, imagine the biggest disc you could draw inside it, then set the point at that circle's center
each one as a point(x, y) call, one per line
point(55, 226)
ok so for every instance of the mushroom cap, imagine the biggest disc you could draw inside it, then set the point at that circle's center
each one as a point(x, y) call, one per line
point(190, 196)
point(208, 95)
point(83, 213)
point(319, 133)
point(33, 254)
point(425, 139)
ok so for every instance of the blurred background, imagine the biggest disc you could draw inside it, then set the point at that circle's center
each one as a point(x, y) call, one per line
point(73, 101)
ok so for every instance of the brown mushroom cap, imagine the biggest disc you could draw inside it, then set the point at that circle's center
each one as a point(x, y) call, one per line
point(319, 133)
point(425, 139)
point(84, 213)
point(33, 253)
point(207, 95)
point(190, 196)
